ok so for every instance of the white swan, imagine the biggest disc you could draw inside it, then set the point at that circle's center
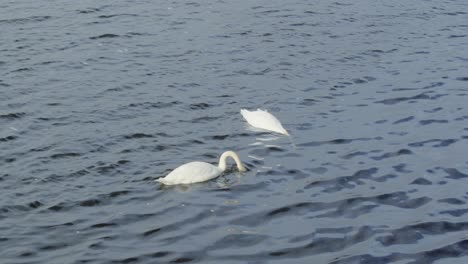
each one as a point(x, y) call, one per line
point(198, 171)
point(264, 120)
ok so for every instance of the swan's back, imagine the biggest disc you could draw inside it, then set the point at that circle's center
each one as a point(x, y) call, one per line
point(264, 120)
point(192, 172)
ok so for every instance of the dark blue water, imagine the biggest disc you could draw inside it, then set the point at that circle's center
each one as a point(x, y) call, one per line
point(99, 98)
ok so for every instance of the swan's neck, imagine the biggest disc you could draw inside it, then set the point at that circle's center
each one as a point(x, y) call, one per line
point(232, 154)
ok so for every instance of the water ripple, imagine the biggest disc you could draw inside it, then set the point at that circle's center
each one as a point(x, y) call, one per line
point(93, 110)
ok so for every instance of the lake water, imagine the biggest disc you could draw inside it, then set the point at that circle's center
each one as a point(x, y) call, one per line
point(99, 98)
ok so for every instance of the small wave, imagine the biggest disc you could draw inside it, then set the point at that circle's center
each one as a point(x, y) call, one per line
point(107, 35)
point(8, 138)
point(198, 106)
point(12, 116)
point(116, 15)
point(65, 155)
point(437, 143)
point(431, 121)
point(393, 154)
point(454, 173)
point(138, 135)
point(32, 19)
point(159, 105)
point(422, 96)
point(336, 141)
point(403, 120)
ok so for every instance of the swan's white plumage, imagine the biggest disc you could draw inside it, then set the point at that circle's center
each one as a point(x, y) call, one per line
point(191, 172)
point(198, 171)
point(264, 120)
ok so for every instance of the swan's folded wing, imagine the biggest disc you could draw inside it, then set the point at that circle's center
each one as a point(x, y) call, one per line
point(256, 118)
point(191, 173)
point(264, 120)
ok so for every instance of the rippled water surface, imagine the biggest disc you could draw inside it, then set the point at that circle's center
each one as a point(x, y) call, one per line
point(99, 98)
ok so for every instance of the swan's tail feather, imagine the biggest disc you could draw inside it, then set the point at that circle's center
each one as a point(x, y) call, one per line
point(244, 113)
point(161, 180)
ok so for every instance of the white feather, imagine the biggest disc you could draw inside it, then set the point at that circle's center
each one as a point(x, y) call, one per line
point(264, 120)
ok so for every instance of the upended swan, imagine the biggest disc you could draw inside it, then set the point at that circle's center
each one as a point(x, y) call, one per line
point(198, 171)
point(264, 120)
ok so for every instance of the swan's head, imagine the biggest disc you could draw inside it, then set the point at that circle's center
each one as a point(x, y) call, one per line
point(232, 154)
point(241, 167)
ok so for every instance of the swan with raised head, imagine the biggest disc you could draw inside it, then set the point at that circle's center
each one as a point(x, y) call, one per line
point(198, 171)
point(264, 120)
